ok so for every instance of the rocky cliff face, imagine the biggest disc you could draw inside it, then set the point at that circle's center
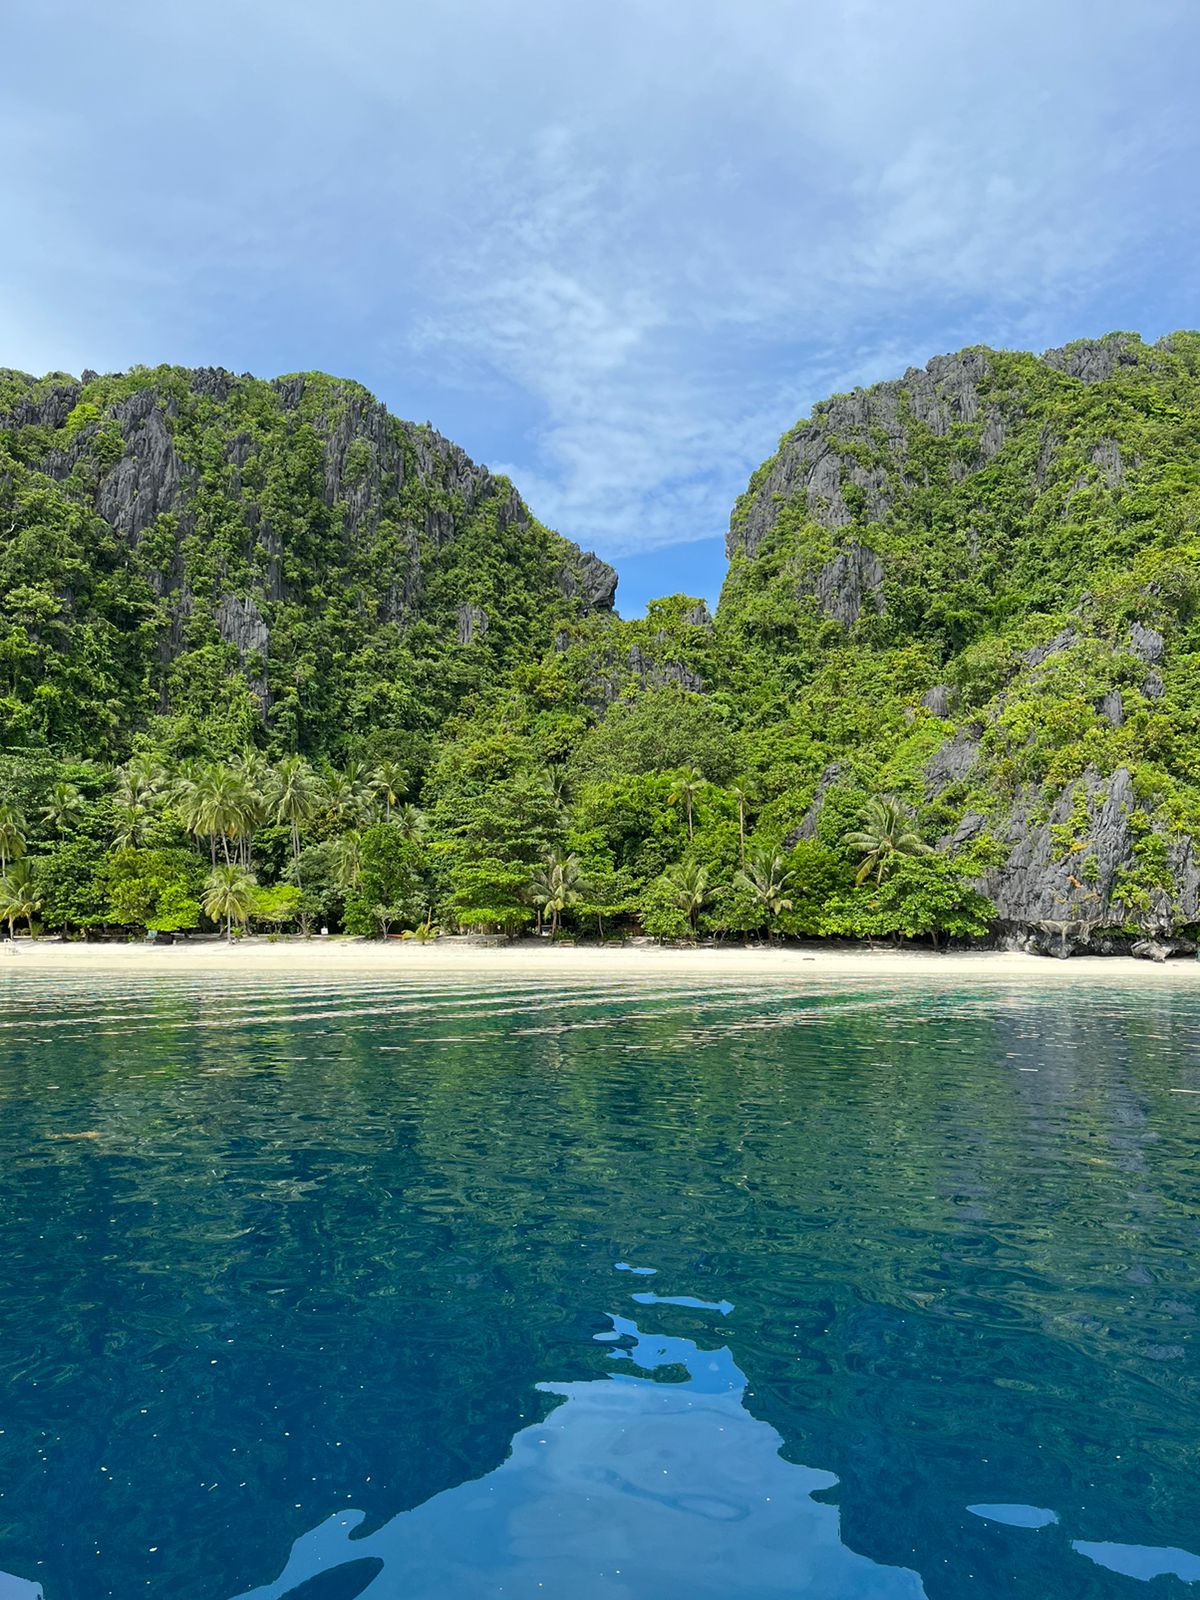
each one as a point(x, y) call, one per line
point(1005, 549)
point(294, 523)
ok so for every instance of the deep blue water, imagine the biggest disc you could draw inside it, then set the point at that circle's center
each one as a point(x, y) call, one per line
point(321, 1290)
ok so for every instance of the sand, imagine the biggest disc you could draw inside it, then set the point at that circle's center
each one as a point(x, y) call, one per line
point(531, 961)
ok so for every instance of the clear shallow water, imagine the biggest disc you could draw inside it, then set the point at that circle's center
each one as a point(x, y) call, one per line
point(324, 1290)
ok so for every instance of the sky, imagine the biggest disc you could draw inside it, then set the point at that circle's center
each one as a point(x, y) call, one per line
point(612, 249)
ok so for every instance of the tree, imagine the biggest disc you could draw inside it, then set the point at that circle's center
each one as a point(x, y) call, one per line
point(19, 898)
point(276, 904)
point(556, 782)
point(685, 791)
point(660, 730)
point(488, 893)
point(217, 802)
point(254, 774)
point(888, 833)
point(742, 796)
point(932, 895)
point(606, 893)
point(62, 806)
point(293, 795)
point(70, 882)
point(767, 879)
point(683, 889)
point(12, 834)
point(411, 821)
point(556, 885)
point(139, 786)
point(389, 781)
point(391, 884)
point(349, 796)
point(322, 899)
point(346, 855)
point(156, 889)
point(229, 896)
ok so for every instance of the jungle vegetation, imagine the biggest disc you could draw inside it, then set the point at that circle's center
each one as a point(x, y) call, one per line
point(270, 659)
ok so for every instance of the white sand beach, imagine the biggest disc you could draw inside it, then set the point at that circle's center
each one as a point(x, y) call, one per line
point(528, 960)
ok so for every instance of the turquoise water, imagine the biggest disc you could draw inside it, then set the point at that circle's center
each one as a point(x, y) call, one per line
point(321, 1290)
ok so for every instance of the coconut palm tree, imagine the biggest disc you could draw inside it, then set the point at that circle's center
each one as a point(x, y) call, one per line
point(767, 879)
point(293, 797)
point(61, 806)
point(254, 772)
point(350, 795)
point(228, 896)
point(346, 855)
point(742, 796)
point(140, 784)
point(140, 780)
point(555, 885)
point(686, 790)
point(19, 899)
point(190, 798)
point(687, 884)
point(554, 780)
point(12, 833)
point(888, 833)
point(389, 780)
point(411, 821)
point(129, 826)
point(221, 805)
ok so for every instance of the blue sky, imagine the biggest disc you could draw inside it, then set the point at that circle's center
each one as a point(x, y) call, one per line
point(613, 249)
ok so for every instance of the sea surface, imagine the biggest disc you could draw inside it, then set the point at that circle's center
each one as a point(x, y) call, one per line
point(412, 1289)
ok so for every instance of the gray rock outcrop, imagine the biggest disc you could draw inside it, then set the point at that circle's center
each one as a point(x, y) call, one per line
point(1093, 360)
point(1040, 885)
point(1147, 644)
point(952, 762)
point(807, 827)
point(472, 623)
point(848, 582)
point(241, 624)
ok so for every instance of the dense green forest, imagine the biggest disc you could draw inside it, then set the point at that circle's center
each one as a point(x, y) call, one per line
point(272, 658)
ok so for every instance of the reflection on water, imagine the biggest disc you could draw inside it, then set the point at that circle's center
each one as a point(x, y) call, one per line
point(289, 1265)
point(631, 1487)
point(14, 1588)
point(1142, 1561)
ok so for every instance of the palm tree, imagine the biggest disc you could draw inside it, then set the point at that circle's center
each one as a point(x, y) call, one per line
point(687, 788)
point(555, 782)
point(62, 805)
point(228, 896)
point(346, 853)
point(12, 833)
point(140, 784)
point(140, 780)
point(411, 821)
point(888, 832)
point(767, 880)
point(293, 796)
point(190, 798)
point(389, 781)
point(742, 796)
point(687, 884)
point(556, 885)
point(129, 827)
point(18, 896)
point(220, 805)
point(254, 773)
point(350, 795)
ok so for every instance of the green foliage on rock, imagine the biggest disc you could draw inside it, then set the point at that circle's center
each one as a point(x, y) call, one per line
point(957, 655)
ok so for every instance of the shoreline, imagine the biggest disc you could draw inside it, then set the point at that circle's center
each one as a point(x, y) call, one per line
point(721, 963)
